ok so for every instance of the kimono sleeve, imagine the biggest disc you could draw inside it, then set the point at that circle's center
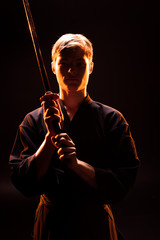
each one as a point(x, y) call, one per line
point(22, 158)
point(120, 161)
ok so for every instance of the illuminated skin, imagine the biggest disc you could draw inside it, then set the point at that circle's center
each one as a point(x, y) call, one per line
point(72, 69)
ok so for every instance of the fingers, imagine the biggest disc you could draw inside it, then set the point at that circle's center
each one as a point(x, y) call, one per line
point(63, 139)
point(48, 103)
point(68, 157)
point(52, 111)
point(60, 112)
point(66, 153)
point(63, 150)
point(49, 97)
point(66, 147)
point(48, 100)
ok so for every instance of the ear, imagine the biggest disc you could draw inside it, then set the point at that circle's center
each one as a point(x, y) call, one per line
point(91, 65)
point(53, 67)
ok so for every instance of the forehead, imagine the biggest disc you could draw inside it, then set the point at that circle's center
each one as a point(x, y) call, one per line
point(72, 53)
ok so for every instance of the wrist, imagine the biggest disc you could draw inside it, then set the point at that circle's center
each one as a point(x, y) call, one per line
point(46, 145)
point(72, 164)
point(48, 139)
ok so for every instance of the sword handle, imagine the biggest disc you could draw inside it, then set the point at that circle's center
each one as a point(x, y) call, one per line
point(56, 127)
point(49, 96)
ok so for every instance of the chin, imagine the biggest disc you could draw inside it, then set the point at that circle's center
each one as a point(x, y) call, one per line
point(73, 86)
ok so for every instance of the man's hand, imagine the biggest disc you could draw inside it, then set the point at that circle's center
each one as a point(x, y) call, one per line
point(66, 149)
point(67, 154)
point(52, 111)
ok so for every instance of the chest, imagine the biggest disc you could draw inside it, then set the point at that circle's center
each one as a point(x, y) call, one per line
point(86, 131)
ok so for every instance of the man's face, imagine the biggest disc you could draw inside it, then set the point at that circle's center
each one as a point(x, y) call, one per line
point(72, 69)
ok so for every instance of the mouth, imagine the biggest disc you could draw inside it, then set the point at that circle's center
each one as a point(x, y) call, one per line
point(72, 79)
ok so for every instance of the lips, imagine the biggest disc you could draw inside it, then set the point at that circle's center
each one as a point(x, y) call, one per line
point(71, 79)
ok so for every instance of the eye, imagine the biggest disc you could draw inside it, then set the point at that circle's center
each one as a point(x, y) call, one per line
point(63, 64)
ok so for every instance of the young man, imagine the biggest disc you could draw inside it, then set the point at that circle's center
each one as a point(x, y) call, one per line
point(78, 172)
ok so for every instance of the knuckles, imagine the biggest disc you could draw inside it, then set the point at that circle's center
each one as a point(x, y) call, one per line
point(49, 97)
point(51, 111)
point(65, 146)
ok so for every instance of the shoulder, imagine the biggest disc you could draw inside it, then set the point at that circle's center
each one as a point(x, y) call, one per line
point(34, 116)
point(34, 119)
point(104, 108)
point(106, 111)
point(108, 116)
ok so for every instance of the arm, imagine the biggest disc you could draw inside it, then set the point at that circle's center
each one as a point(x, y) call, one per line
point(67, 154)
point(45, 152)
point(86, 172)
point(116, 168)
point(43, 156)
point(121, 163)
point(32, 152)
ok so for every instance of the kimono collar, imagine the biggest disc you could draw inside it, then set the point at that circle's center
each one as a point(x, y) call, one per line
point(86, 100)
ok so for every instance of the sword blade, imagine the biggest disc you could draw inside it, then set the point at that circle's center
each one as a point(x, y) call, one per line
point(38, 53)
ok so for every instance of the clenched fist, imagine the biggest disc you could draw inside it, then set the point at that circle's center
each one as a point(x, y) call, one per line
point(66, 149)
point(51, 112)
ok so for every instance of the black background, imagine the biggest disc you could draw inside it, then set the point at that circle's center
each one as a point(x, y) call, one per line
point(126, 76)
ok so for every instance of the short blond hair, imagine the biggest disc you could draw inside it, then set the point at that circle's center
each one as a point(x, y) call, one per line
point(72, 40)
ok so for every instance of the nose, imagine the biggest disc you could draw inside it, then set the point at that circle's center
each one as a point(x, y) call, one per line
point(69, 70)
point(72, 71)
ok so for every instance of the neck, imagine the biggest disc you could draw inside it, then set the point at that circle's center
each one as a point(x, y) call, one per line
point(72, 100)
